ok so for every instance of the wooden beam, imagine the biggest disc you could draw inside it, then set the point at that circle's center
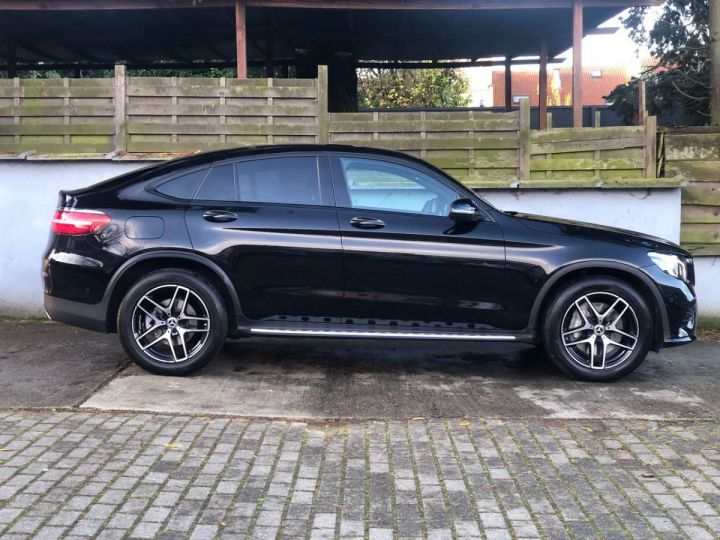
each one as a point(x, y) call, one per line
point(447, 64)
point(240, 39)
point(80, 5)
point(543, 84)
point(577, 76)
point(508, 84)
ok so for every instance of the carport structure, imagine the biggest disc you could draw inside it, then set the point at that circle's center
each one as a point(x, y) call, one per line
point(293, 37)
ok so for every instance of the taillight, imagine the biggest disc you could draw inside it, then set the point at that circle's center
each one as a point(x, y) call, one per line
point(78, 221)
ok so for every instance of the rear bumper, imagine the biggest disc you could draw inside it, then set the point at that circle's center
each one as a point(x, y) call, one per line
point(88, 316)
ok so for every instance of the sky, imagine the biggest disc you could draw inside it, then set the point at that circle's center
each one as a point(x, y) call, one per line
point(598, 50)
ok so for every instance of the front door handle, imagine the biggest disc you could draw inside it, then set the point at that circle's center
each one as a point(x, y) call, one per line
point(219, 216)
point(367, 223)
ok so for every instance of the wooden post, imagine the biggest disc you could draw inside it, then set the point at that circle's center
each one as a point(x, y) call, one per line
point(543, 85)
point(524, 142)
point(577, 86)
point(549, 120)
point(598, 118)
point(120, 103)
point(714, 27)
point(241, 39)
point(642, 103)
point(508, 85)
point(322, 82)
point(651, 147)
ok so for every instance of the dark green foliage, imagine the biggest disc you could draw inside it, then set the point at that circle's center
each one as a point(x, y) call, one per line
point(680, 79)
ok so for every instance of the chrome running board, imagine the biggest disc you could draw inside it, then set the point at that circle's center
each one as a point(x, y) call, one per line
point(367, 334)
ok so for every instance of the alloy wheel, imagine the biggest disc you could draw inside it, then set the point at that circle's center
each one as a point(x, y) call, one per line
point(170, 323)
point(600, 330)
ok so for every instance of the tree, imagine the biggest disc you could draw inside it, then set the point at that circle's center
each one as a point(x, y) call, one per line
point(405, 88)
point(714, 62)
point(679, 79)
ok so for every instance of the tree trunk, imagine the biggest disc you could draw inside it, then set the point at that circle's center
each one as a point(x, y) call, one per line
point(715, 62)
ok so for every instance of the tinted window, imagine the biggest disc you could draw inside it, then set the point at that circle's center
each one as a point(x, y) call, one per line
point(183, 187)
point(381, 185)
point(283, 180)
point(219, 184)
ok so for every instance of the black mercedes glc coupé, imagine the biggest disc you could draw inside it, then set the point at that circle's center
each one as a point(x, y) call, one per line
point(347, 242)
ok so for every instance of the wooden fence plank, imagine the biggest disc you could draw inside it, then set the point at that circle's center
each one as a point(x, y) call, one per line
point(581, 134)
point(587, 145)
point(137, 90)
point(427, 125)
point(218, 129)
point(216, 109)
point(585, 164)
point(57, 129)
point(415, 143)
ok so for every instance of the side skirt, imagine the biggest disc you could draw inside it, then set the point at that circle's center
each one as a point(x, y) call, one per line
point(331, 331)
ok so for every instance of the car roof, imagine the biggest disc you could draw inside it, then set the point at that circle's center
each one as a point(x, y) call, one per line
point(208, 158)
point(260, 150)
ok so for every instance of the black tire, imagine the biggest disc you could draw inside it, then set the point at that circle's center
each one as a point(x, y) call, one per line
point(568, 340)
point(193, 337)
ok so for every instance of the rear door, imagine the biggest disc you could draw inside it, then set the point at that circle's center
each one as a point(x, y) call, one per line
point(270, 222)
point(407, 264)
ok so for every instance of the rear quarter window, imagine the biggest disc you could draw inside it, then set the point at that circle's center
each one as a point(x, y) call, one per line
point(183, 186)
point(219, 184)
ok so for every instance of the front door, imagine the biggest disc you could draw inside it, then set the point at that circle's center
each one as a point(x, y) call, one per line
point(407, 264)
point(270, 222)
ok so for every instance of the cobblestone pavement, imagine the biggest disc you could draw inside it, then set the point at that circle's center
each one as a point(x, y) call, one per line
point(87, 474)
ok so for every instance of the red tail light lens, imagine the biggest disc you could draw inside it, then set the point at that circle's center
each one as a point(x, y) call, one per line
point(78, 222)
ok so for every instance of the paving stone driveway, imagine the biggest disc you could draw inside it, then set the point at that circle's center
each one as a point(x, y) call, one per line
point(89, 474)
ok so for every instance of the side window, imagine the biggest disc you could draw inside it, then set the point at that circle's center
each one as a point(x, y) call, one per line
point(282, 180)
point(219, 185)
point(381, 185)
point(184, 186)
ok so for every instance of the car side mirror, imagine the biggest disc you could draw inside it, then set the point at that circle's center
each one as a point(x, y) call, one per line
point(464, 210)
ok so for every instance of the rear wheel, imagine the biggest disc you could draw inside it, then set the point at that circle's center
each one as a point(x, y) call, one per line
point(172, 322)
point(598, 329)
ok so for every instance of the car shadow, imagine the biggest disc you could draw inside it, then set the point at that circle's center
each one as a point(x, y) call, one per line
point(397, 357)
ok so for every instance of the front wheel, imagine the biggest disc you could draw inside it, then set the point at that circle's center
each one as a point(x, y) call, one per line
point(598, 329)
point(172, 322)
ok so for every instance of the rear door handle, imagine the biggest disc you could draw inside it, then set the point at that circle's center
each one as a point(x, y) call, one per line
point(367, 223)
point(219, 216)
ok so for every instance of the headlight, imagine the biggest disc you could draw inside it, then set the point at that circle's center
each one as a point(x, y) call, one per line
point(673, 265)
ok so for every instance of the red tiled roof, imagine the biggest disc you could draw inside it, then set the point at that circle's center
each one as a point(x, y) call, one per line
point(525, 83)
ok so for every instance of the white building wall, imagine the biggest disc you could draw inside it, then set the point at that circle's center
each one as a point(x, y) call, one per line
point(28, 197)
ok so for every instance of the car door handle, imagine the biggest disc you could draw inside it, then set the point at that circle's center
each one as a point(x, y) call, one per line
point(219, 216)
point(367, 223)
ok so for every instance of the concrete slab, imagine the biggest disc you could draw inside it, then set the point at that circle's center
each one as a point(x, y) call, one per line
point(44, 364)
point(365, 379)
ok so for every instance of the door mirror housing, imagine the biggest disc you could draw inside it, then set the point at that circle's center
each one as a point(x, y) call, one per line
point(464, 210)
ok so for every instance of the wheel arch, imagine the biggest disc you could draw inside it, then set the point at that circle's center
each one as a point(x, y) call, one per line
point(141, 264)
point(629, 274)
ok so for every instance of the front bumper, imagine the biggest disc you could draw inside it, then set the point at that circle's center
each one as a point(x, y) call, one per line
point(679, 303)
point(88, 316)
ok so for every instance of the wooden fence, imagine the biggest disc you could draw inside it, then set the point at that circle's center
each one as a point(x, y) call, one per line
point(57, 115)
point(475, 147)
point(693, 155)
point(155, 115)
point(146, 115)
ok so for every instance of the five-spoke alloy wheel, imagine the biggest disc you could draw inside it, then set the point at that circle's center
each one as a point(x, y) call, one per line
point(598, 329)
point(172, 322)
